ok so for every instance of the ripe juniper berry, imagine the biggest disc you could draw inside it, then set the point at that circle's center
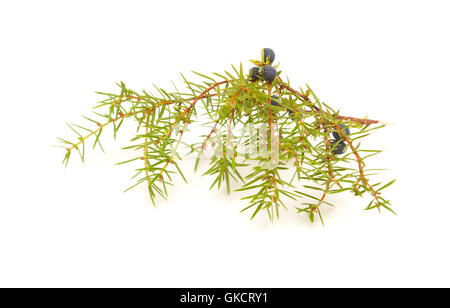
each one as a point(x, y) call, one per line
point(338, 146)
point(344, 129)
point(268, 73)
point(269, 55)
point(254, 74)
point(275, 101)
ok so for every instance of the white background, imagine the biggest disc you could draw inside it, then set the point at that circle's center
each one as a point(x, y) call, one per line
point(75, 228)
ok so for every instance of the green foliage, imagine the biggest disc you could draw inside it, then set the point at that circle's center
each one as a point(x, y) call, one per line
point(305, 171)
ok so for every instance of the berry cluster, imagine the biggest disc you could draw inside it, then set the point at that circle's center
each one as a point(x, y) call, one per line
point(266, 71)
point(338, 145)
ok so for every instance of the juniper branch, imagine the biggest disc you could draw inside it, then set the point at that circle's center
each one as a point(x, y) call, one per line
point(296, 127)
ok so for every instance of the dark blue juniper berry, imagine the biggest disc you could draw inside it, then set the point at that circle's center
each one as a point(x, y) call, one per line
point(269, 55)
point(338, 146)
point(275, 101)
point(254, 74)
point(344, 129)
point(268, 73)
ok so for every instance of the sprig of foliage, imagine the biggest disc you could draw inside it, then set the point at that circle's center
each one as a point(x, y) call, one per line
point(292, 134)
